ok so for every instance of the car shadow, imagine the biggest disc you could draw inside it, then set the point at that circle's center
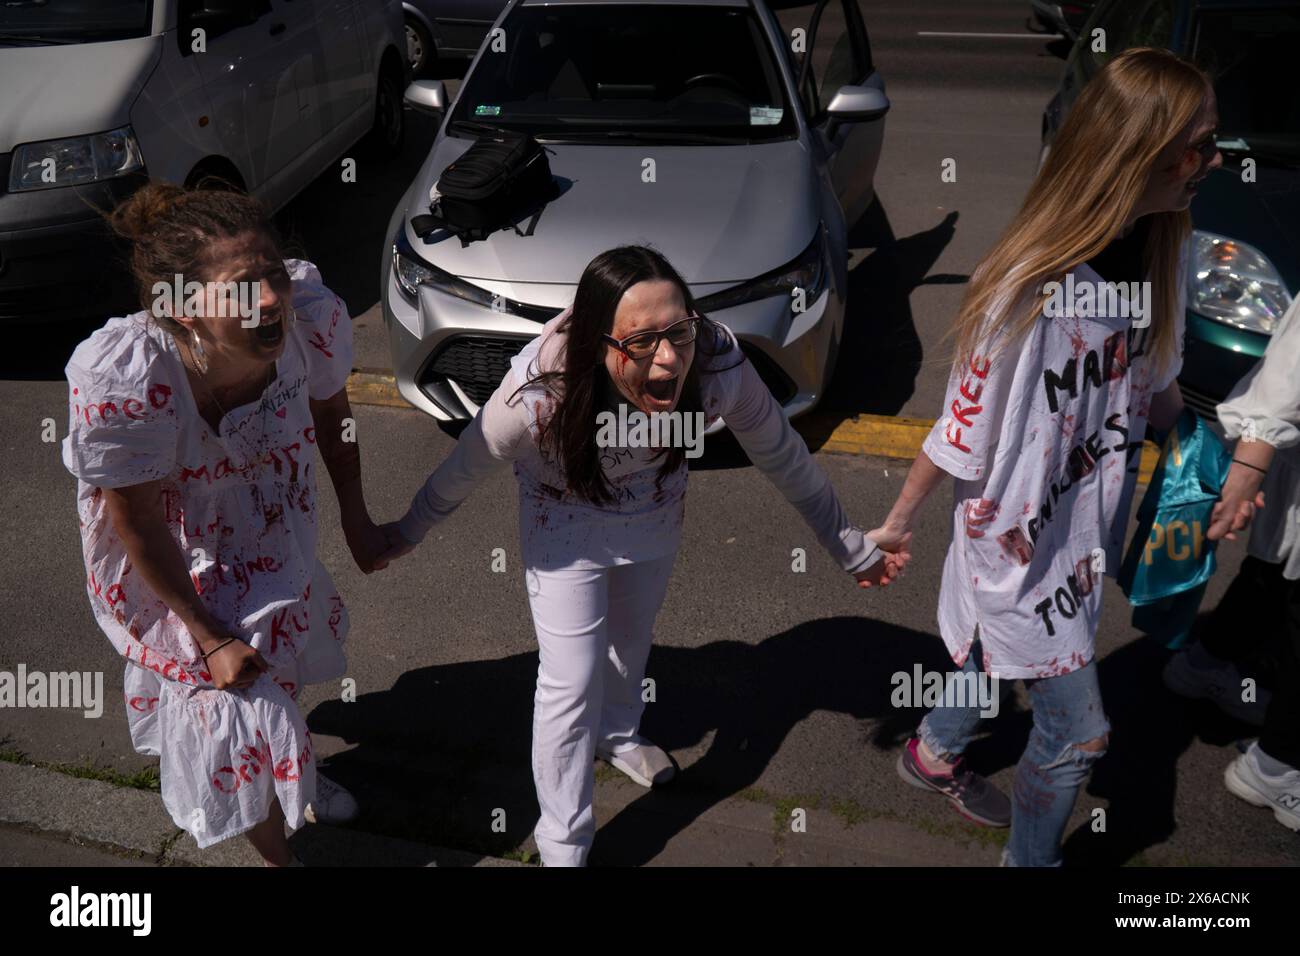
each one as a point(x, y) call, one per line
point(446, 751)
point(881, 353)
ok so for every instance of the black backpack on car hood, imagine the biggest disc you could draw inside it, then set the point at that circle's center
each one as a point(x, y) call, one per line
point(503, 176)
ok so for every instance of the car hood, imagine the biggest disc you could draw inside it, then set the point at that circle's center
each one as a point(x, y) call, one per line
point(56, 91)
point(1265, 213)
point(718, 213)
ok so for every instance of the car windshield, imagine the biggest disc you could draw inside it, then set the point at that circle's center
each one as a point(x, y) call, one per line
point(653, 72)
point(1248, 53)
point(38, 22)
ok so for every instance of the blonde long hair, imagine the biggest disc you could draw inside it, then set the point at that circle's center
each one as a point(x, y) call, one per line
point(1095, 173)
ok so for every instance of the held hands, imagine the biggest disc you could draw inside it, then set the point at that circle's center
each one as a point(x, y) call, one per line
point(374, 546)
point(395, 546)
point(1234, 510)
point(893, 543)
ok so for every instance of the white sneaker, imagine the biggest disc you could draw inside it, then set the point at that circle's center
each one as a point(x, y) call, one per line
point(332, 805)
point(646, 764)
point(1245, 779)
point(1222, 685)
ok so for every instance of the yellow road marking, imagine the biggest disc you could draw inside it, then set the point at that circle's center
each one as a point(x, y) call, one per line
point(884, 436)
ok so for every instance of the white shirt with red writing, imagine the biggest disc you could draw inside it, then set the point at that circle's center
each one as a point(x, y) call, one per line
point(241, 506)
point(1044, 442)
point(644, 522)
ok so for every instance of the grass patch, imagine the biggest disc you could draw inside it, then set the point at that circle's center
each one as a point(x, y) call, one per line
point(146, 779)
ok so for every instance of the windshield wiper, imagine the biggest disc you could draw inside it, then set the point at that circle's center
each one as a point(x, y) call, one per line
point(23, 38)
point(477, 127)
point(654, 136)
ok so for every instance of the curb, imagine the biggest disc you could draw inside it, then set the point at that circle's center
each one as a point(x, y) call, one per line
point(135, 823)
point(880, 436)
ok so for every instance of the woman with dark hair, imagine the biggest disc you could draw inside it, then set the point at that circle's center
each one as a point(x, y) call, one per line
point(194, 426)
point(600, 524)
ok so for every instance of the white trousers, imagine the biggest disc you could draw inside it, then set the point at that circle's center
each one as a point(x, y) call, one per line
point(594, 629)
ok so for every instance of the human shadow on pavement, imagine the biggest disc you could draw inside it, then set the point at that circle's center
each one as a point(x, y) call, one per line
point(444, 755)
point(1151, 728)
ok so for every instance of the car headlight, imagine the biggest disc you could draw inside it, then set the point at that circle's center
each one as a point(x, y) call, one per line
point(412, 272)
point(1233, 282)
point(807, 271)
point(75, 160)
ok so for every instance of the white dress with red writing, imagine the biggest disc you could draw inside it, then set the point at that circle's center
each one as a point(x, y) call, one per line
point(241, 506)
point(1044, 442)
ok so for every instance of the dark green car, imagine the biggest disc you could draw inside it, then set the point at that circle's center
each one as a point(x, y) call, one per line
point(1245, 251)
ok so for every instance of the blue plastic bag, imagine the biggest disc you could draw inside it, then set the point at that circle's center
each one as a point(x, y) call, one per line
point(1170, 560)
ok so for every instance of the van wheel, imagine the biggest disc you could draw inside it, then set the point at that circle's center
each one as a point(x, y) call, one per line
point(387, 134)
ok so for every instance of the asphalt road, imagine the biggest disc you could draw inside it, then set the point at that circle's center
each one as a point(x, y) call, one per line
point(771, 685)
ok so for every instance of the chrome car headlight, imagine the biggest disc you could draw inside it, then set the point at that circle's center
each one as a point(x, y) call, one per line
point(1232, 282)
point(412, 272)
point(75, 161)
point(807, 271)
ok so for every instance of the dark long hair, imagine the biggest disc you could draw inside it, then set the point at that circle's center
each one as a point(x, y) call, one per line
point(582, 388)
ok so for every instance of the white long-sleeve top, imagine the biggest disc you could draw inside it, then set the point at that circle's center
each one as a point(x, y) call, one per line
point(1265, 406)
point(559, 530)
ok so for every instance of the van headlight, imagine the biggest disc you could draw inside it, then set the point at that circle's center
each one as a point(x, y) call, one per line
point(75, 161)
point(1232, 282)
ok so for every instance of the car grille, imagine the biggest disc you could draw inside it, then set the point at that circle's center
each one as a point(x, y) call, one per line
point(478, 363)
point(1202, 404)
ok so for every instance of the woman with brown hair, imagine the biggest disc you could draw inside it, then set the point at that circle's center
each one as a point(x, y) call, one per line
point(1068, 342)
point(194, 426)
point(601, 521)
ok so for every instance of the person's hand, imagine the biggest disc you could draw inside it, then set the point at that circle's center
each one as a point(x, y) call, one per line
point(1234, 510)
point(368, 544)
point(395, 546)
point(893, 544)
point(236, 665)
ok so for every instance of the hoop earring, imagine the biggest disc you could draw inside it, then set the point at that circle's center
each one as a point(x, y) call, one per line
point(196, 350)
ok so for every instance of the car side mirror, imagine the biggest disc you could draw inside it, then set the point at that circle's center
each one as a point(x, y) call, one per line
point(858, 104)
point(428, 96)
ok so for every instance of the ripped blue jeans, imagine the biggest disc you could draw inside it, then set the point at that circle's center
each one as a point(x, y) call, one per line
point(1067, 712)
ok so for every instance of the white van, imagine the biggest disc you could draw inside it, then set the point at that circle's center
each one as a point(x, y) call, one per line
point(98, 95)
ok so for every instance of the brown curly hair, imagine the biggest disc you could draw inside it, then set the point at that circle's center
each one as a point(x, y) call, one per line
point(170, 229)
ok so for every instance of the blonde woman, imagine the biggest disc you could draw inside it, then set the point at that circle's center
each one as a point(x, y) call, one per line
point(1054, 383)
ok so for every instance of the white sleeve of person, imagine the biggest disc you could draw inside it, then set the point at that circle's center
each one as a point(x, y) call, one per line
point(325, 328)
point(494, 437)
point(1265, 405)
point(777, 450)
point(965, 435)
point(122, 427)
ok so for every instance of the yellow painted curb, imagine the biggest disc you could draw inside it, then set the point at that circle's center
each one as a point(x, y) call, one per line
point(371, 386)
point(884, 436)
